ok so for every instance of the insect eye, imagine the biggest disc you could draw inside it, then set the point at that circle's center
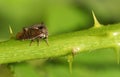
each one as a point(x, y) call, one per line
point(40, 27)
point(25, 29)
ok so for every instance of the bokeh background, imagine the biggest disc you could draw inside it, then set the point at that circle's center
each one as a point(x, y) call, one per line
point(62, 16)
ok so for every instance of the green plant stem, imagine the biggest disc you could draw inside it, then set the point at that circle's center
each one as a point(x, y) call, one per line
point(59, 45)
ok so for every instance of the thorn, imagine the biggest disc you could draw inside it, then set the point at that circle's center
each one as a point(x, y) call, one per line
point(11, 31)
point(70, 61)
point(96, 23)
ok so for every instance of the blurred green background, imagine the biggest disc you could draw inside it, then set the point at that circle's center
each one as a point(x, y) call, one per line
point(62, 16)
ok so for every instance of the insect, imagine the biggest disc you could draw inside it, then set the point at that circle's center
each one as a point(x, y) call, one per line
point(34, 32)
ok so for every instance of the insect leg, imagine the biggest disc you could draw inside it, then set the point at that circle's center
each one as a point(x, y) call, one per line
point(46, 40)
point(38, 41)
point(31, 41)
point(41, 36)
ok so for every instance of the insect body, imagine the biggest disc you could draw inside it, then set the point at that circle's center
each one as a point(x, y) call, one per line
point(38, 32)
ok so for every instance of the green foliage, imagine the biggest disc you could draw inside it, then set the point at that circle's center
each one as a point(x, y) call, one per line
point(23, 70)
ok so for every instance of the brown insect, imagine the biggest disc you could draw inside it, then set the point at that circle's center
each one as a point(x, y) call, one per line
point(37, 31)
